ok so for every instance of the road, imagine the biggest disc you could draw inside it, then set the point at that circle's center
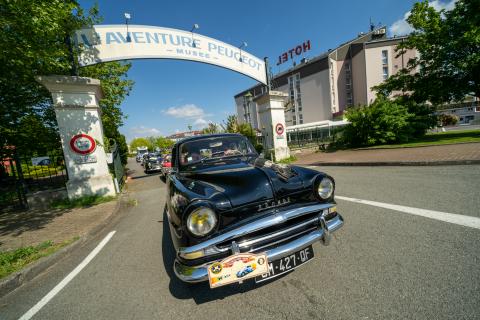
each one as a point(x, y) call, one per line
point(383, 264)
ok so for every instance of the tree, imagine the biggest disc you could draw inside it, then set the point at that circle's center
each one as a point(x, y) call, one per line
point(382, 122)
point(448, 66)
point(33, 43)
point(163, 143)
point(141, 142)
point(233, 126)
point(212, 128)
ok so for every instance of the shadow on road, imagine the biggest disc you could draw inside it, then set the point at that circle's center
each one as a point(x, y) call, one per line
point(146, 175)
point(200, 292)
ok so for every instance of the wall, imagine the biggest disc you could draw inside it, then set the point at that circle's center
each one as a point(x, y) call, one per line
point(359, 79)
point(373, 66)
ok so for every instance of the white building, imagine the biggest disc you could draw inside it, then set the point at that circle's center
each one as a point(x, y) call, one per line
point(322, 88)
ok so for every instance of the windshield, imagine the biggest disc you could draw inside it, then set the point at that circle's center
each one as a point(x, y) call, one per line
point(209, 149)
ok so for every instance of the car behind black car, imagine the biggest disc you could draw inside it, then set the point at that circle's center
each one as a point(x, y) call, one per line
point(230, 210)
point(153, 162)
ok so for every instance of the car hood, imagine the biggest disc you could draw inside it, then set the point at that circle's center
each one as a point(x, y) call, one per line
point(243, 182)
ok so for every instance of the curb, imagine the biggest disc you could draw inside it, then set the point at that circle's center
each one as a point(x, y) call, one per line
point(410, 147)
point(17, 279)
point(393, 163)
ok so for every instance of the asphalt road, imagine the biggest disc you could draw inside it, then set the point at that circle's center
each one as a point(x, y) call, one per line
point(383, 264)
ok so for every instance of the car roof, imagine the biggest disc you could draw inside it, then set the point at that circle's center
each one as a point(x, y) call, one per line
point(206, 136)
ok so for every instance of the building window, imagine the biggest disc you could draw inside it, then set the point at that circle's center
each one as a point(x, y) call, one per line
point(385, 57)
point(300, 118)
point(294, 118)
point(385, 64)
point(246, 110)
point(295, 93)
point(385, 73)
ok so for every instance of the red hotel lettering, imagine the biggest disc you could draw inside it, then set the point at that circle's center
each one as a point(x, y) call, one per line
point(296, 51)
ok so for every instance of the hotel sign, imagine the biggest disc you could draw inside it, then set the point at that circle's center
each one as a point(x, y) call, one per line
point(296, 51)
point(103, 43)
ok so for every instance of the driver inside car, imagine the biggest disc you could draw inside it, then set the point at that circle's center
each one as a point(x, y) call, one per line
point(231, 150)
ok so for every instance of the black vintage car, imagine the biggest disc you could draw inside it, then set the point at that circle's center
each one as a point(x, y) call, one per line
point(153, 162)
point(234, 215)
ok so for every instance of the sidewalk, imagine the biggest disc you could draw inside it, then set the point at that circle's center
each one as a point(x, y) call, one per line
point(20, 229)
point(466, 153)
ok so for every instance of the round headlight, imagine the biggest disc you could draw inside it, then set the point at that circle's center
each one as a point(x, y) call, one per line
point(325, 188)
point(201, 221)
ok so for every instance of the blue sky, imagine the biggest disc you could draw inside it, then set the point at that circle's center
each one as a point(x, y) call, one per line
point(168, 95)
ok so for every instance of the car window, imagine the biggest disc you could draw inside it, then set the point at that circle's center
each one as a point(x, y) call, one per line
point(213, 148)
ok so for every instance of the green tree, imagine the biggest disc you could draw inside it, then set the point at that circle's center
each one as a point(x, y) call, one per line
point(141, 142)
point(33, 43)
point(448, 65)
point(233, 126)
point(382, 122)
point(212, 128)
point(163, 143)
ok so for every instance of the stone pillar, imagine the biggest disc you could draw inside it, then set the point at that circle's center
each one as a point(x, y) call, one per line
point(76, 102)
point(270, 106)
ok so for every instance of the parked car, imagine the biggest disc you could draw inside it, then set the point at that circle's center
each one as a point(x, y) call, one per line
point(153, 162)
point(224, 200)
point(166, 165)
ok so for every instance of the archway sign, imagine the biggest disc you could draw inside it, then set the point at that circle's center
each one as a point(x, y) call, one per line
point(112, 42)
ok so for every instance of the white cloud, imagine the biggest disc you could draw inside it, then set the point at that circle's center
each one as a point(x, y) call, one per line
point(200, 123)
point(401, 26)
point(142, 131)
point(185, 111)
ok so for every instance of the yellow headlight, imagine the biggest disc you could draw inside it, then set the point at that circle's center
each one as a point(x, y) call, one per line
point(201, 221)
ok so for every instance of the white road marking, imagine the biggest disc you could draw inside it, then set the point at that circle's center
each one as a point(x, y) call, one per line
point(30, 313)
point(467, 221)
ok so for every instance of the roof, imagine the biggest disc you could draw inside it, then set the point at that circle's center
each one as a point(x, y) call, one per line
point(207, 136)
point(308, 62)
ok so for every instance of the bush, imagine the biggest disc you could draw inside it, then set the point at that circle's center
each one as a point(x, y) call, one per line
point(448, 119)
point(382, 122)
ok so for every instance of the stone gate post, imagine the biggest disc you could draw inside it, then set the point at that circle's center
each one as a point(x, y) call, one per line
point(270, 106)
point(76, 102)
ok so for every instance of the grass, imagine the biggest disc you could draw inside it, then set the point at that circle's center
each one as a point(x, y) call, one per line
point(288, 160)
point(433, 139)
point(87, 201)
point(14, 260)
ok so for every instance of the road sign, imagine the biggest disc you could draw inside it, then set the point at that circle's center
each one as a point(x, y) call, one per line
point(82, 144)
point(279, 129)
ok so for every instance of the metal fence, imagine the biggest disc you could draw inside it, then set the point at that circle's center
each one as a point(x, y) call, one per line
point(21, 174)
point(116, 166)
point(313, 136)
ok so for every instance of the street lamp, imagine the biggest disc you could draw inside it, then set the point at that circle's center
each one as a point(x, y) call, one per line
point(194, 27)
point(244, 44)
point(128, 16)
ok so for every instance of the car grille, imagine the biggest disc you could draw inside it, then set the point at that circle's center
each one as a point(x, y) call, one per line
point(264, 239)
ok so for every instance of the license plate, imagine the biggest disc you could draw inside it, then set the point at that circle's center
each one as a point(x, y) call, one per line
point(237, 268)
point(285, 264)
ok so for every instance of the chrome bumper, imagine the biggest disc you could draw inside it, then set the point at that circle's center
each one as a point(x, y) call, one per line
point(200, 273)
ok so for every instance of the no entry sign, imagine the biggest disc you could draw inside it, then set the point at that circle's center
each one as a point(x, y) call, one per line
point(82, 144)
point(279, 129)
